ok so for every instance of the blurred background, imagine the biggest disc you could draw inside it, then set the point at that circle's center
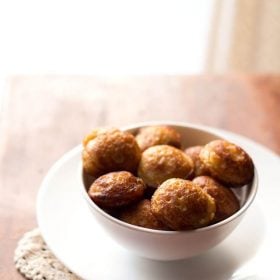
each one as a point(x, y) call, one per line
point(132, 37)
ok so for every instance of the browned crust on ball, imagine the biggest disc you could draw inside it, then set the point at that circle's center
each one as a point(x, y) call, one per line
point(158, 135)
point(228, 163)
point(199, 168)
point(97, 131)
point(162, 162)
point(141, 215)
point(181, 204)
point(111, 151)
point(225, 199)
point(116, 189)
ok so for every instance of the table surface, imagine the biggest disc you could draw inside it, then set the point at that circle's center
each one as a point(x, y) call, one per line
point(42, 117)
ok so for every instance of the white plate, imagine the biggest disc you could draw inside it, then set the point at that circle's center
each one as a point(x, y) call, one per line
point(250, 252)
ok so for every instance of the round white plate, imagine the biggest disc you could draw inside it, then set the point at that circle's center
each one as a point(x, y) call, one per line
point(250, 252)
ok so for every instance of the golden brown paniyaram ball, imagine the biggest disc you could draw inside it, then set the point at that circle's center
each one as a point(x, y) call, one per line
point(181, 205)
point(113, 150)
point(158, 135)
point(225, 199)
point(97, 131)
point(141, 215)
point(228, 163)
point(199, 168)
point(162, 162)
point(116, 189)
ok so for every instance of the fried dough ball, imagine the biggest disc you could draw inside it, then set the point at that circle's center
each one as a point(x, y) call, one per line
point(116, 189)
point(227, 163)
point(141, 215)
point(95, 132)
point(181, 204)
point(199, 167)
point(158, 135)
point(161, 162)
point(225, 199)
point(113, 150)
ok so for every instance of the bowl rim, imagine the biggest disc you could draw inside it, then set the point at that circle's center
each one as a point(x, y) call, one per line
point(206, 129)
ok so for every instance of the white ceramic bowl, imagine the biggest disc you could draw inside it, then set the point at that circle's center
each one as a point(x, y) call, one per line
point(173, 245)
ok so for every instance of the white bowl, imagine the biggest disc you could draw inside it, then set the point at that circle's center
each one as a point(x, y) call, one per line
point(173, 245)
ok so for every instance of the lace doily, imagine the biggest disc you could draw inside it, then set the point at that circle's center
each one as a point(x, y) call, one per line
point(35, 261)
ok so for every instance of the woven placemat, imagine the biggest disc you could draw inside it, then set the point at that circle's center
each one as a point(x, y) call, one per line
point(35, 261)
